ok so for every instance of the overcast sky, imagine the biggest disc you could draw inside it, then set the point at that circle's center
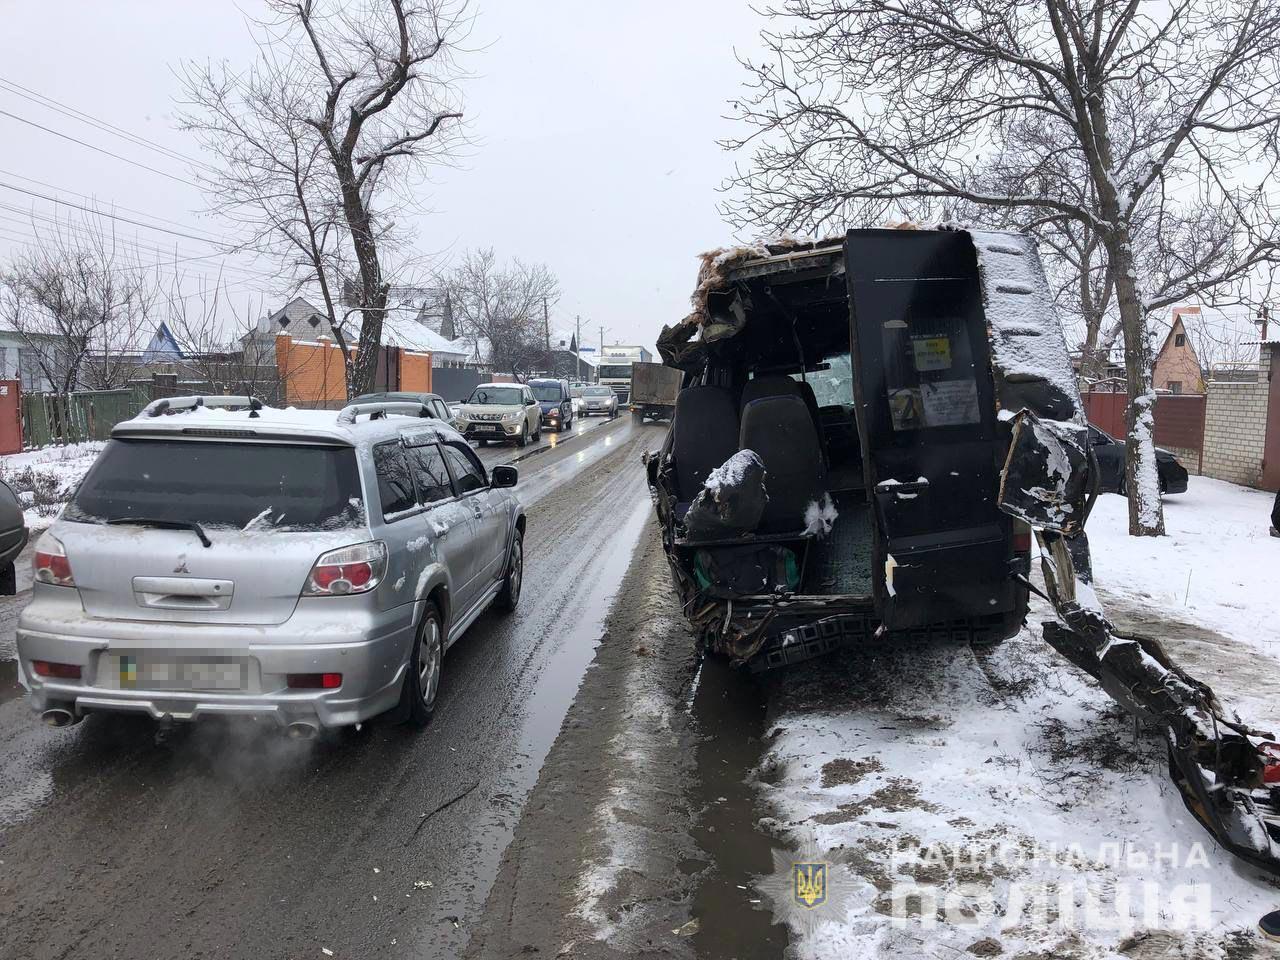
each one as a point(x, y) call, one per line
point(596, 126)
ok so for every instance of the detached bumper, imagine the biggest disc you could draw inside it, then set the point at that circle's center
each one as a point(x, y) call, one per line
point(370, 650)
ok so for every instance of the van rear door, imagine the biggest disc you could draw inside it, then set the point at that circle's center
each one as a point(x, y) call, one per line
point(926, 420)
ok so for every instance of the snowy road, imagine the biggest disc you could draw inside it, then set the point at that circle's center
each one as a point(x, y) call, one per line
point(229, 841)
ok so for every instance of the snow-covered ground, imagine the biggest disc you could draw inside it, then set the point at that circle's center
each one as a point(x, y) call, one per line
point(1218, 566)
point(44, 479)
point(997, 803)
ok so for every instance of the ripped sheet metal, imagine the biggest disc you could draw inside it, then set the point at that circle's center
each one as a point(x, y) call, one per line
point(1217, 763)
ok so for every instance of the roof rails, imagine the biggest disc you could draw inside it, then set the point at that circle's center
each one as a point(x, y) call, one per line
point(167, 405)
point(380, 408)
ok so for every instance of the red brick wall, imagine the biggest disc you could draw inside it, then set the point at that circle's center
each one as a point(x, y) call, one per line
point(415, 371)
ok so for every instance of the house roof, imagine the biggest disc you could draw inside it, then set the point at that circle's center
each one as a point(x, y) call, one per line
point(408, 333)
point(298, 313)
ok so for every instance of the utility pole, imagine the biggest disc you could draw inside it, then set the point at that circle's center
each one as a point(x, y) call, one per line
point(577, 347)
point(600, 355)
point(546, 330)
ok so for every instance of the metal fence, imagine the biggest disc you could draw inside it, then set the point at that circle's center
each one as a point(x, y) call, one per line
point(49, 418)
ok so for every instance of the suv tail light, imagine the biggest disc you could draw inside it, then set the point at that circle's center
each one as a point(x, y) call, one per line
point(355, 569)
point(50, 564)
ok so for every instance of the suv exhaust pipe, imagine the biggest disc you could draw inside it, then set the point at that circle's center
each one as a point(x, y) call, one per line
point(301, 730)
point(59, 717)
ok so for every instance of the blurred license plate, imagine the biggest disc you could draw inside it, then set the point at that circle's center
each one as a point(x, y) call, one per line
point(183, 675)
point(486, 427)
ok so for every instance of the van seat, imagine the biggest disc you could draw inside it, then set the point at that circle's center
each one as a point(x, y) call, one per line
point(782, 432)
point(704, 434)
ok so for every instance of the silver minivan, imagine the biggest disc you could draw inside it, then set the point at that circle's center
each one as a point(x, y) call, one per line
point(303, 566)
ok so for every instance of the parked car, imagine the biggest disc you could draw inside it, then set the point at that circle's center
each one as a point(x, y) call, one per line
point(305, 567)
point(1110, 456)
point(555, 402)
point(504, 412)
point(600, 399)
point(13, 537)
point(432, 401)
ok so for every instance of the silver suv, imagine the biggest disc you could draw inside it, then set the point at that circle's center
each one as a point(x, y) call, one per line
point(225, 558)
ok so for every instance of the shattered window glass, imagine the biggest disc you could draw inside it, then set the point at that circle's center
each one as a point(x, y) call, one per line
point(832, 386)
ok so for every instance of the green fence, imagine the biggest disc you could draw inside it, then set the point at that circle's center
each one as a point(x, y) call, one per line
point(49, 418)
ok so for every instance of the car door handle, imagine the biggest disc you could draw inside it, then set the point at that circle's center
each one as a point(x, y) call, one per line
point(897, 487)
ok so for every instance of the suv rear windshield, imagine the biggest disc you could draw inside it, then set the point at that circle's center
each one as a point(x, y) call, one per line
point(222, 484)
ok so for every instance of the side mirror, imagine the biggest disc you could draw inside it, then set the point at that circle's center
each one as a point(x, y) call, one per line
point(530, 402)
point(503, 476)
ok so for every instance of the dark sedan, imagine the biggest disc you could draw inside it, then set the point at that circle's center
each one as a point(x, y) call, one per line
point(1110, 454)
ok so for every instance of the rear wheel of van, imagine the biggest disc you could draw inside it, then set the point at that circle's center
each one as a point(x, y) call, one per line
point(509, 595)
point(422, 681)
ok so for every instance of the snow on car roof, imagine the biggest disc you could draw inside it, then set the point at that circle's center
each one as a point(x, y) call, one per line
point(278, 421)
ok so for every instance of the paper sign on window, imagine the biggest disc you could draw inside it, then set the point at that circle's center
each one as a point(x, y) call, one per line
point(950, 403)
point(931, 353)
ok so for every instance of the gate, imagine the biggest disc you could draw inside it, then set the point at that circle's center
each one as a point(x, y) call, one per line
point(49, 418)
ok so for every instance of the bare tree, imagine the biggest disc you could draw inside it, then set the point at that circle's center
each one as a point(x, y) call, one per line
point(320, 138)
point(873, 107)
point(502, 307)
point(220, 340)
point(79, 299)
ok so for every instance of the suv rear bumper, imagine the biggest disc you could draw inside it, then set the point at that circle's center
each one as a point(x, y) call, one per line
point(369, 650)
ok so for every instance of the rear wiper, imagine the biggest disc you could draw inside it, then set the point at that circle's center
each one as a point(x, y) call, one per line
point(166, 524)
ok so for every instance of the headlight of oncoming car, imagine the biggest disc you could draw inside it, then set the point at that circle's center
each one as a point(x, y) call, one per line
point(354, 569)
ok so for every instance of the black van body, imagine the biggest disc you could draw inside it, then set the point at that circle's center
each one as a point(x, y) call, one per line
point(870, 429)
point(860, 375)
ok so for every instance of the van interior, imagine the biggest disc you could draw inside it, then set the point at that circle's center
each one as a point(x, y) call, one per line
point(782, 387)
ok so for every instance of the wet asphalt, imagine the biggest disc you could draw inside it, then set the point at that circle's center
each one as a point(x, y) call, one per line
point(120, 839)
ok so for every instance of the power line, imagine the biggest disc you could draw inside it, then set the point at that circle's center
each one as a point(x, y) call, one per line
point(176, 255)
point(114, 205)
point(105, 126)
point(85, 143)
point(111, 216)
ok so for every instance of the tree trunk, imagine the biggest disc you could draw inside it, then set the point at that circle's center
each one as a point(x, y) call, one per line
point(363, 368)
point(1141, 479)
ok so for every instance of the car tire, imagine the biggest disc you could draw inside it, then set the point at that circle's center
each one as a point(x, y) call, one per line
point(483, 442)
point(426, 664)
point(509, 596)
point(524, 435)
point(537, 433)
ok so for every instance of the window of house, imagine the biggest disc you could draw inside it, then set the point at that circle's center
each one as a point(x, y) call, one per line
point(1173, 386)
point(1179, 339)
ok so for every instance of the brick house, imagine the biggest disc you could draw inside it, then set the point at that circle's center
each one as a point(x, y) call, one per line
point(1177, 368)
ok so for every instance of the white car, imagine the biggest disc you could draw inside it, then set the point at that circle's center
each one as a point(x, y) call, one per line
point(501, 412)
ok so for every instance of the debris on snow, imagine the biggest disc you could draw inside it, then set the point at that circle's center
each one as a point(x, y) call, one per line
point(820, 517)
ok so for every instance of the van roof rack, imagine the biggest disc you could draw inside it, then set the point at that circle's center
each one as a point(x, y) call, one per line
point(169, 405)
point(379, 409)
